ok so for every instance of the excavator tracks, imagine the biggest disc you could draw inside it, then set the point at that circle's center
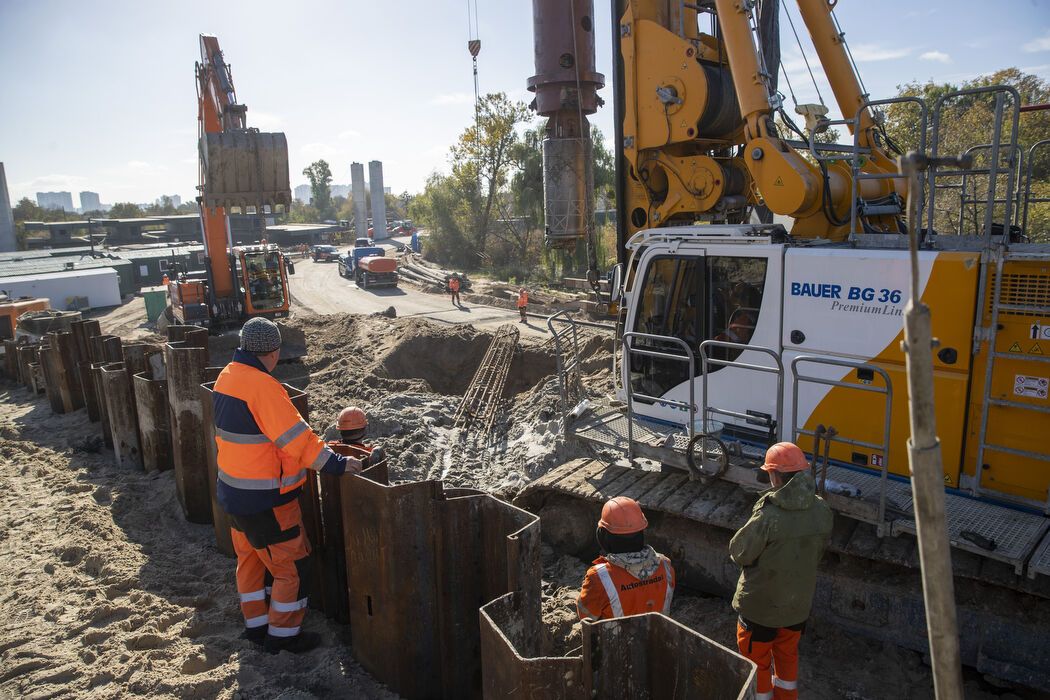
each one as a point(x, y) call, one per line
point(868, 584)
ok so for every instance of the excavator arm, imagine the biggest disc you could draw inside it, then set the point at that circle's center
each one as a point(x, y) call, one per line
point(239, 168)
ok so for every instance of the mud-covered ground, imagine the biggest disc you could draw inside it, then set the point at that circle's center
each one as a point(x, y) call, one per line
point(106, 591)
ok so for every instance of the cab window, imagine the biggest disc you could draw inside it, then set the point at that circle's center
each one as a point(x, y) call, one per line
point(265, 284)
point(694, 299)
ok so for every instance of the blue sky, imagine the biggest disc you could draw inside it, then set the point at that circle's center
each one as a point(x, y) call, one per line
point(100, 95)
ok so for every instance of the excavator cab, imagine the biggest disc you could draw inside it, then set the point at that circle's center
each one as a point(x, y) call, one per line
point(264, 281)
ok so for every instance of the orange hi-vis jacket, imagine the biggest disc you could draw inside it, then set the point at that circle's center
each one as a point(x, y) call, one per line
point(523, 299)
point(264, 445)
point(453, 285)
point(610, 591)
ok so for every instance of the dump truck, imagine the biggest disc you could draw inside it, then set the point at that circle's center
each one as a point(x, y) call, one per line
point(732, 335)
point(379, 271)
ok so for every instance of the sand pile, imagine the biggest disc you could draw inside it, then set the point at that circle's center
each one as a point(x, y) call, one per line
point(106, 590)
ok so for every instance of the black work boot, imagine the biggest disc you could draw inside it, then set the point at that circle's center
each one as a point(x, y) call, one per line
point(255, 635)
point(300, 643)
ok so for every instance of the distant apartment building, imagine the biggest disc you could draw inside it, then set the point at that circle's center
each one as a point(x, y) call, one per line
point(176, 200)
point(89, 201)
point(55, 200)
point(302, 193)
point(340, 190)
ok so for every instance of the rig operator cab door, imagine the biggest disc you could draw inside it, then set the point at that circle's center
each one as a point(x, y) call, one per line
point(717, 287)
point(264, 281)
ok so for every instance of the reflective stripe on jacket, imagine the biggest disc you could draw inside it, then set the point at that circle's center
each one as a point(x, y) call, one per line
point(264, 445)
point(609, 591)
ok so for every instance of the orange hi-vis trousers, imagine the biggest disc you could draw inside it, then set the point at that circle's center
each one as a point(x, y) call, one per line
point(775, 651)
point(273, 545)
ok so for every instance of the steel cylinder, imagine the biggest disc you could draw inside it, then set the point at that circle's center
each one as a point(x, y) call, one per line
point(151, 403)
point(568, 184)
point(11, 360)
point(563, 39)
point(48, 364)
point(123, 419)
point(186, 365)
point(87, 388)
point(100, 397)
point(26, 358)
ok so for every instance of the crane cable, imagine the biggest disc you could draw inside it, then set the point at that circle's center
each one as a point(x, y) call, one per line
point(474, 47)
point(804, 56)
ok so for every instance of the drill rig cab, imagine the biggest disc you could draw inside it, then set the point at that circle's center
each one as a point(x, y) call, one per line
point(241, 170)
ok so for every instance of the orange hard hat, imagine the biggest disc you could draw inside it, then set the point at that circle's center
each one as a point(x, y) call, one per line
point(352, 418)
point(785, 457)
point(622, 516)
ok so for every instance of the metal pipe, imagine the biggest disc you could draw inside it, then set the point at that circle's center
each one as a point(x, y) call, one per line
point(924, 457)
point(186, 363)
point(123, 419)
point(151, 401)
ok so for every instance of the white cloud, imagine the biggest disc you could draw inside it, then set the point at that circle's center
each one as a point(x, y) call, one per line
point(137, 165)
point(1037, 45)
point(453, 98)
point(938, 56)
point(874, 52)
point(349, 134)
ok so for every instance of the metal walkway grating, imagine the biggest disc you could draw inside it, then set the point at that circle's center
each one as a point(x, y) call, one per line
point(1012, 534)
point(898, 494)
point(1040, 562)
point(1015, 534)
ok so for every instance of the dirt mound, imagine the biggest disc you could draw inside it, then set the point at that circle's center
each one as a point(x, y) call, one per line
point(409, 376)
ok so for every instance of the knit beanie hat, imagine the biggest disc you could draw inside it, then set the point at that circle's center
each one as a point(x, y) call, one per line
point(260, 335)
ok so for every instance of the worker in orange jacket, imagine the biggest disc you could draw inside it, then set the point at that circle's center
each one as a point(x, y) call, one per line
point(523, 304)
point(265, 451)
point(630, 578)
point(453, 288)
point(352, 425)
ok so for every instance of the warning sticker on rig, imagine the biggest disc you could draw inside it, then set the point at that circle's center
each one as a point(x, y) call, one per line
point(1036, 387)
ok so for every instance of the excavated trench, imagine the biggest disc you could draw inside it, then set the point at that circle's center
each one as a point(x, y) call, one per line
point(447, 361)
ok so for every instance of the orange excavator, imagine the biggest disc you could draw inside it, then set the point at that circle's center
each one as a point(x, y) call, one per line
point(241, 170)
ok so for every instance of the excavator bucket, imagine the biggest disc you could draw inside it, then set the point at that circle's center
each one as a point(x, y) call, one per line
point(245, 168)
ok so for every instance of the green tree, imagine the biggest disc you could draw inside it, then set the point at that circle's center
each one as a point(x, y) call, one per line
point(484, 154)
point(27, 210)
point(162, 207)
point(320, 177)
point(300, 213)
point(966, 122)
point(125, 210)
point(460, 209)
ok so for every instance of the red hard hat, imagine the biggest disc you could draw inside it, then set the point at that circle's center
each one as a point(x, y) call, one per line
point(785, 457)
point(352, 418)
point(623, 516)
